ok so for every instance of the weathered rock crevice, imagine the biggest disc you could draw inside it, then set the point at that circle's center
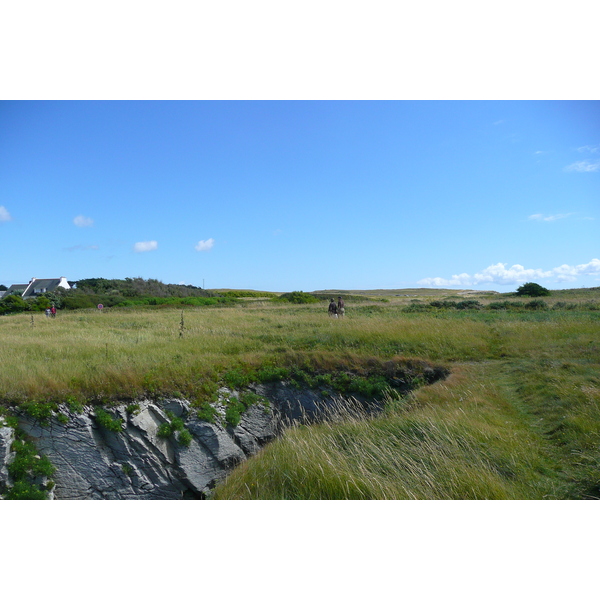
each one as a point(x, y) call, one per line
point(137, 462)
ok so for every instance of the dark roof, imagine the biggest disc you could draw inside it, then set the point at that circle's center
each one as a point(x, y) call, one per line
point(46, 284)
point(17, 287)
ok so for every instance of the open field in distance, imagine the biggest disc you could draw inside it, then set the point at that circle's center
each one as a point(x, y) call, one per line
point(518, 417)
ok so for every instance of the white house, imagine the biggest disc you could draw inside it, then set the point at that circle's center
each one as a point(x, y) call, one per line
point(40, 286)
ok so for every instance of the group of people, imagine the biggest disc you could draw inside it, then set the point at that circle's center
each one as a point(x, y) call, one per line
point(336, 310)
point(51, 312)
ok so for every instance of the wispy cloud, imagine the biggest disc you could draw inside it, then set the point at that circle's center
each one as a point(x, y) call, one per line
point(81, 247)
point(584, 166)
point(540, 217)
point(145, 246)
point(82, 221)
point(205, 245)
point(588, 148)
point(4, 215)
point(503, 275)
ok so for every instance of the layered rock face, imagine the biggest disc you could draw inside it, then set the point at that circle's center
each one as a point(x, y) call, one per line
point(137, 461)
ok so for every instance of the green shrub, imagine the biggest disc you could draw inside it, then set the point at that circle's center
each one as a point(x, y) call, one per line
point(184, 438)
point(12, 304)
point(270, 373)
point(532, 289)
point(416, 308)
point(443, 304)
point(469, 305)
point(505, 305)
point(164, 430)
point(236, 407)
point(107, 421)
point(74, 405)
point(297, 298)
point(25, 490)
point(27, 465)
point(175, 424)
point(207, 412)
point(536, 305)
point(237, 378)
point(41, 411)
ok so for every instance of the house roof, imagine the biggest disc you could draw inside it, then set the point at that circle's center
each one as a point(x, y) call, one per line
point(45, 284)
point(17, 287)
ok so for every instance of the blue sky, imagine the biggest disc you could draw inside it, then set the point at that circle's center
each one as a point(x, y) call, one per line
point(302, 195)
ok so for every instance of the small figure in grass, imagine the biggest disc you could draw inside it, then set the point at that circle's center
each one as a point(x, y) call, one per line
point(53, 311)
point(47, 312)
point(341, 311)
point(332, 308)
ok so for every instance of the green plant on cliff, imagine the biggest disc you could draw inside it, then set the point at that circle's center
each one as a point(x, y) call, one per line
point(27, 468)
point(175, 427)
point(107, 421)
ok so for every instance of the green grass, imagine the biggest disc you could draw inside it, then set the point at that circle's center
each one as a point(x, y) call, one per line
point(518, 417)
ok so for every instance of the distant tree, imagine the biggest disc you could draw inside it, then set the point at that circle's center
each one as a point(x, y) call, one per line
point(3, 288)
point(12, 304)
point(532, 289)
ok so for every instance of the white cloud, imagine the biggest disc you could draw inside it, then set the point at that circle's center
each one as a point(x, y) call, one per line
point(584, 166)
point(588, 148)
point(540, 217)
point(4, 215)
point(500, 274)
point(205, 245)
point(82, 221)
point(81, 247)
point(145, 246)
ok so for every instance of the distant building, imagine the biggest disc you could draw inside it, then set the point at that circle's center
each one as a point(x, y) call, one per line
point(36, 287)
point(17, 288)
point(41, 286)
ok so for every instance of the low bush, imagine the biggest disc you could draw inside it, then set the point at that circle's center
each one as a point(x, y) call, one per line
point(104, 419)
point(469, 305)
point(443, 304)
point(207, 412)
point(297, 298)
point(536, 305)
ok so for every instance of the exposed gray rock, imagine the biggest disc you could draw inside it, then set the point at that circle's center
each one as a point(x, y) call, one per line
point(7, 436)
point(137, 463)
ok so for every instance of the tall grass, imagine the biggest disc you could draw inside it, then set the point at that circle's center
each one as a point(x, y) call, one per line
point(124, 353)
point(518, 418)
point(460, 439)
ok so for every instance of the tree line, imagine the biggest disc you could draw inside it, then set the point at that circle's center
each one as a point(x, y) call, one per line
point(136, 291)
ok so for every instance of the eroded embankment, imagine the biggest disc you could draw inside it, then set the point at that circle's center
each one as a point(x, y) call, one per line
point(162, 449)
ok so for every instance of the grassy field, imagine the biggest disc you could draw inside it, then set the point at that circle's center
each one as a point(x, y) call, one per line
point(518, 417)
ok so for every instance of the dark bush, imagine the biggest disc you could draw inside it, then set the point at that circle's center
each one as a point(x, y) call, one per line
point(533, 290)
point(536, 305)
point(468, 305)
point(13, 304)
point(443, 304)
point(499, 305)
point(297, 298)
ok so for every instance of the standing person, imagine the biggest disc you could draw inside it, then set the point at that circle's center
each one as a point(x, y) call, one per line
point(341, 310)
point(53, 311)
point(332, 308)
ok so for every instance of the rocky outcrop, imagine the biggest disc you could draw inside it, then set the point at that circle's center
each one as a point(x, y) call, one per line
point(134, 460)
point(7, 437)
